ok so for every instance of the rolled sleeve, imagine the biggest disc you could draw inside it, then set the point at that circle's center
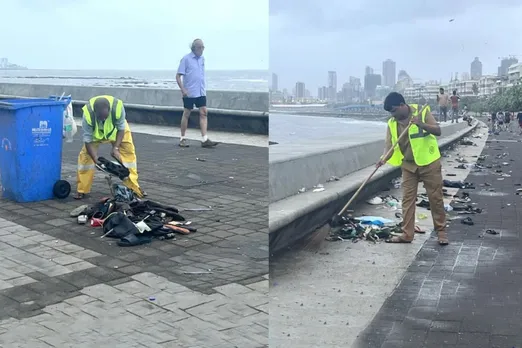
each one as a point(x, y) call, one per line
point(120, 123)
point(87, 131)
point(182, 68)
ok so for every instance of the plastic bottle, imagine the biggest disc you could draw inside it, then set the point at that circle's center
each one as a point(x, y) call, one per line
point(68, 128)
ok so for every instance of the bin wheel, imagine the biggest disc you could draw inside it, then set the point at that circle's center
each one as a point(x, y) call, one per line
point(62, 189)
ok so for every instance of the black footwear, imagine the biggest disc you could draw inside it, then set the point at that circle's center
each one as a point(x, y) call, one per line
point(423, 204)
point(209, 143)
point(467, 221)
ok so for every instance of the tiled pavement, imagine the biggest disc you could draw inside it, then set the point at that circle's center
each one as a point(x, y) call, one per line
point(468, 293)
point(56, 274)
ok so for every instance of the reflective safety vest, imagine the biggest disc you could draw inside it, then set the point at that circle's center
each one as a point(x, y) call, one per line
point(423, 144)
point(108, 132)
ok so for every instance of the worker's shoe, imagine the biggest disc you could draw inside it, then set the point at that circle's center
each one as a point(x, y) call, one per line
point(143, 193)
point(79, 195)
point(209, 143)
point(183, 143)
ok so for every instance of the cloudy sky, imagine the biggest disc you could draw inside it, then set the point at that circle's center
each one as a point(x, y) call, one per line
point(310, 37)
point(123, 34)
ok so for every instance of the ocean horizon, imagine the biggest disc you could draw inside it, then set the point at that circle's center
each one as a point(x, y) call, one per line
point(231, 80)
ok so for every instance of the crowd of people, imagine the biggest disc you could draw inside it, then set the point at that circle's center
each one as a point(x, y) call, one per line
point(504, 120)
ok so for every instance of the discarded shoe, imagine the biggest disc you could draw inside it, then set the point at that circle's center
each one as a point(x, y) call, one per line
point(467, 221)
point(491, 232)
point(78, 211)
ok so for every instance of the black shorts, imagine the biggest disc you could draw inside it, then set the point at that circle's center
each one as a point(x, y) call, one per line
point(199, 102)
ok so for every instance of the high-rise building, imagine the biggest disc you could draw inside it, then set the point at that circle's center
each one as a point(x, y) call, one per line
point(300, 90)
point(368, 71)
point(465, 76)
point(371, 82)
point(476, 69)
point(322, 93)
point(332, 85)
point(275, 82)
point(389, 73)
point(505, 64)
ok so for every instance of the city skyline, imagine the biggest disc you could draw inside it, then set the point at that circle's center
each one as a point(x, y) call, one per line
point(428, 40)
point(392, 76)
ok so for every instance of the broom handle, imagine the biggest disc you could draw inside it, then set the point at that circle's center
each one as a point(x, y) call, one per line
point(392, 148)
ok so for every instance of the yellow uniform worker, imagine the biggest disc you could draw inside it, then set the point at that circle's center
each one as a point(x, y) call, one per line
point(104, 122)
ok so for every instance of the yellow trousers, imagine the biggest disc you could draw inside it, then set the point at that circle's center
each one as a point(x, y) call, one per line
point(86, 166)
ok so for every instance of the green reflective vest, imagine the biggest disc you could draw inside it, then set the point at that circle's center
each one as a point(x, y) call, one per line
point(423, 144)
point(108, 132)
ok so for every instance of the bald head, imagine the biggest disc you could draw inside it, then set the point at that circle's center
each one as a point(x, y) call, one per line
point(197, 47)
point(102, 108)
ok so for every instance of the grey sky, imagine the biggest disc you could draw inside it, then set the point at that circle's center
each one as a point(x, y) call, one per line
point(310, 37)
point(123, 34)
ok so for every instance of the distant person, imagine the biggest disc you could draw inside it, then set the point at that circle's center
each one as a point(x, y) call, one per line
point(493, 121)
point(418, 156)
point(455, 107)
point(443, 100)
point(507, 120)
point(519, 118)
point(500, 121)
point(191, 82)
point(104, 122)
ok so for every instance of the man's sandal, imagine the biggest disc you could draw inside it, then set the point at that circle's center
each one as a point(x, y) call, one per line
point(79, 195)
point(443, 241)
point(419, 230)
point(398, 240)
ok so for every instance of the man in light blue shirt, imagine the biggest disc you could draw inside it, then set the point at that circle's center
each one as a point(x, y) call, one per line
point(191, 82)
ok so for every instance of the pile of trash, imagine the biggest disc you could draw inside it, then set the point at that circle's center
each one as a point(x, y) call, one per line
point(131, 220)
point(371, 228)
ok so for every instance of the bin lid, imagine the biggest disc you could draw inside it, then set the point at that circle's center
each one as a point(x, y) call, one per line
point(15, 104)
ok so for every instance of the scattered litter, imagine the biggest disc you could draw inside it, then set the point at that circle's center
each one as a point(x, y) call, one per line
point(396, 183)
point(318, 188)
point(422, 216)
point(302, 190)
point(332, 178)
point(152, 298)
point(493, 232)
point(373, 220)
point(375, 201)
point(467, 221)
point(200, 159)
point(199, 272)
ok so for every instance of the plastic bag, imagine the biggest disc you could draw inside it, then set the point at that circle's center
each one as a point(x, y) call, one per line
point(69, 125)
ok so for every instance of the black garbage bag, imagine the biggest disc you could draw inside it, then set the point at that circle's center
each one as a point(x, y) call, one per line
point(119, 225)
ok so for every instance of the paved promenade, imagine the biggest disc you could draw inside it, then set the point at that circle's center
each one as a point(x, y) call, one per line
point(62, 286)
point(468, 293)
point(326, 298)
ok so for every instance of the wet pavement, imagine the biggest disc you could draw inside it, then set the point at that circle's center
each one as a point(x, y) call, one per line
point(63, 286)
point(466, 294)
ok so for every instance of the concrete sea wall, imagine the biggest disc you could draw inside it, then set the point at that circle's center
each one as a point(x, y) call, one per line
point(233, 111)
point(295, 216)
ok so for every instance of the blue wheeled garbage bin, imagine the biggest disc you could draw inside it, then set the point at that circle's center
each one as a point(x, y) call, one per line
point(31, 153)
